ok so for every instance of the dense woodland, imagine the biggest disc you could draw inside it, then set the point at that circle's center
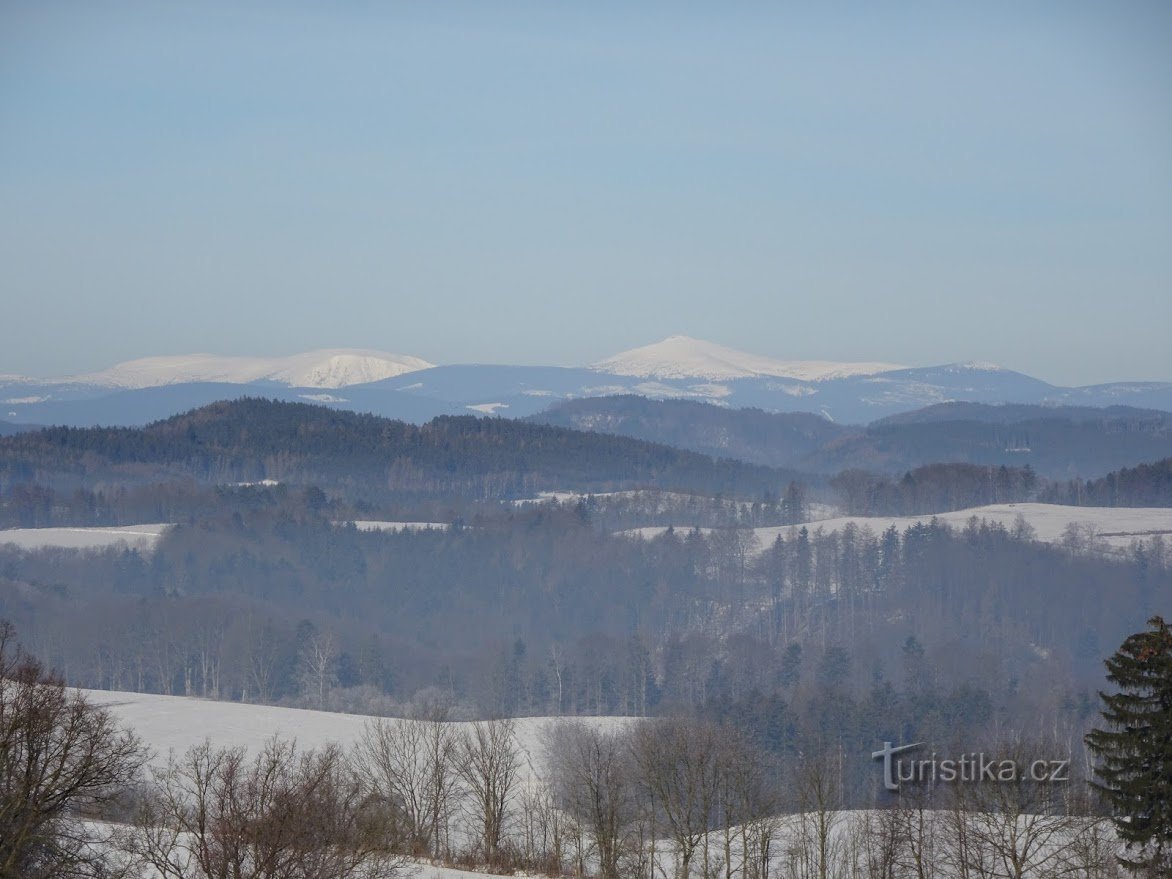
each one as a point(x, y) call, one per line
point(824, 641)
point(819, 642)
point(366, 457)
point(1148, 485)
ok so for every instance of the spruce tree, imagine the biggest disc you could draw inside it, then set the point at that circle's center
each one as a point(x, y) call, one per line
point(1134, 752)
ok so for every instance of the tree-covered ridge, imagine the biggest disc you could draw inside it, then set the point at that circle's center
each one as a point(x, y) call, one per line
point(776, 439)
point(1057, 442)
point(1053, 445)
point(254, 439)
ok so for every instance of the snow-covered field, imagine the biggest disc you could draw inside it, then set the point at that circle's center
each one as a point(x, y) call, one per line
point(380, 525)
point(1117, 527)
point(140, 537)
point(176, 723)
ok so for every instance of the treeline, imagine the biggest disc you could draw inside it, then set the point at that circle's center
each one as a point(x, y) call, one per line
point(935, 488)
point(1148, 485)
point(32, 505)
point(938, 488)
point(366, 457)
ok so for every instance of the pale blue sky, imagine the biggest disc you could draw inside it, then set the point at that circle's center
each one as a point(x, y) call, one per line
point(554, 182)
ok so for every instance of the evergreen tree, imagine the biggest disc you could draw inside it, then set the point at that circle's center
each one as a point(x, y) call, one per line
point(1135, 751)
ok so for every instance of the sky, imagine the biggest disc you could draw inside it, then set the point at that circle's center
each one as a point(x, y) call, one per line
point(550, 183)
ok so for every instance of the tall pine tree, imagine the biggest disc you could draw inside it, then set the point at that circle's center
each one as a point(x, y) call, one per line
point(1135, 750)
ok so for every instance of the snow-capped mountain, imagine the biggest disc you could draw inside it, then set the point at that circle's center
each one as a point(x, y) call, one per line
point(399, 386)
point(684, 357)
point(326, 368)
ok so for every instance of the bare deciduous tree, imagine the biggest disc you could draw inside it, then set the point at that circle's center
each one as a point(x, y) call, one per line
point(1011, 827)
point(409, 766)
point(318, 672)
point(677, 764)
point(283, 815)
point(592, 776)
point(814, 849)
point(60, 758)
point(488, 764)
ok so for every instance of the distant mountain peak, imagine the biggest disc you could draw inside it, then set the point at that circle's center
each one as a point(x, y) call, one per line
point(686, 357)
point(325, 368)
point(983, 365)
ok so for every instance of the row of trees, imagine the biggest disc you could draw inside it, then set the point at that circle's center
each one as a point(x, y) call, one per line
point(934, 488)
point(1146, 485)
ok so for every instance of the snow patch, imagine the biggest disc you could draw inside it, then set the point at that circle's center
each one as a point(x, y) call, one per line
point(487, 408)
point(323, 398)
point(139, 537)
point(395, 527)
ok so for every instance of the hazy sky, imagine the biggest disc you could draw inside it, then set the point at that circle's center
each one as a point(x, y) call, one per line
point(554, 182)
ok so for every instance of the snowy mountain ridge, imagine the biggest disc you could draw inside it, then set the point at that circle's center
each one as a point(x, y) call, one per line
point(686, 357)
point(325, 368)
point(409, 388)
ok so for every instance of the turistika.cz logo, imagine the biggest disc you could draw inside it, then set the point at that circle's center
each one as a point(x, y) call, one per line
point(968, 768)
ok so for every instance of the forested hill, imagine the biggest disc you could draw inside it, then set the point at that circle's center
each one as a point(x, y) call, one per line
point(253, 439)
point(1057, 442)
point(775, 439)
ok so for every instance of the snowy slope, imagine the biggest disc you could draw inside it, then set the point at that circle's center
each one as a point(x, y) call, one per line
point(140, 537)
point(326, 368)
point(167, 723)
point(1117, 527)
point(685, 357)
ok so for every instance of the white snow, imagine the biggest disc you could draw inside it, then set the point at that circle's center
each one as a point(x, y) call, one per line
point(323, 398)
point(684, 357)
point(167, 723)
point(140, 537)
point(380, 525)
point(977, 365)
point(487, 408)
point(1116, 527)
point(326, 368)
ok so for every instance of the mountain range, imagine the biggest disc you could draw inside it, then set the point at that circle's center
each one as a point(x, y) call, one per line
point(412, 389)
